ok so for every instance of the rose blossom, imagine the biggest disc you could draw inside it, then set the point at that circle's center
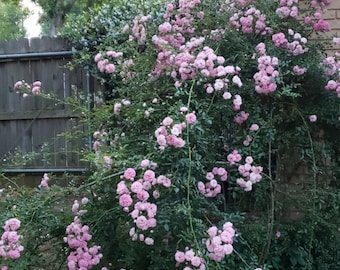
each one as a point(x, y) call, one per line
point(313, 118)
point(125, 200)
point(190, 118)
point(129, 173)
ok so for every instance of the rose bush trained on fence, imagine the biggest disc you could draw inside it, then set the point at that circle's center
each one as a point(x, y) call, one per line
point(210, 107)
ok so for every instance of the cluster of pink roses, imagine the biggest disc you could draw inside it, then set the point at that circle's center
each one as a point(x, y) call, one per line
point(10, 246)
point(189, 259)
point(221, 82)
point(212, 188)
point(143, 215)
point(180, 16)
point(210, 65)
point(82, 256)
point(298, 45)
point(169, 134)
point(320, 5)
point(250, 20)
point(265, 78)
point(299, 70)
point(181, 57)
point(177, 24)
point(186, 65)
point(35, 88)
point(234, 157)
point(250, 174)
point(219, 243)
point(288, 8)
point(321, 26)
point(295, 47)
point(103, 61)
point(318, 24)
point(241, 117)
point(332, 69)
point(136, 193)
point(138, 28)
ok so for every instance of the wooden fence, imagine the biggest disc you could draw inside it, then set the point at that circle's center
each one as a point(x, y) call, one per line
point(32, 129)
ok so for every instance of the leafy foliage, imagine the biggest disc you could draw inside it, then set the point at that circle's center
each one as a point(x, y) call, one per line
point(54, 12)
point(11, 23)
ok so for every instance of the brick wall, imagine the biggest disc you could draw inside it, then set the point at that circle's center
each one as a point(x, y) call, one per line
point(333, 17)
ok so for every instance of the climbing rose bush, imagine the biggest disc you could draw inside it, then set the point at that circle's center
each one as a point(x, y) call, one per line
point(203, 101)
point(202, 89)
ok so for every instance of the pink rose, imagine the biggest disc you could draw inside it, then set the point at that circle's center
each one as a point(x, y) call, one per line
point(190, 118)
point(142, 223)
point(149, 241)
point(97, 57)
point(125, 200)
point(254, 127)
point(12, 224)
point(35, 90)
point(179, 256)
point(149, 175)
point(37, 83)
point(167, 121)
point(313, 118)
point(18, 84)
point(129, 174)
point(145, 163)
point(110, 68)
